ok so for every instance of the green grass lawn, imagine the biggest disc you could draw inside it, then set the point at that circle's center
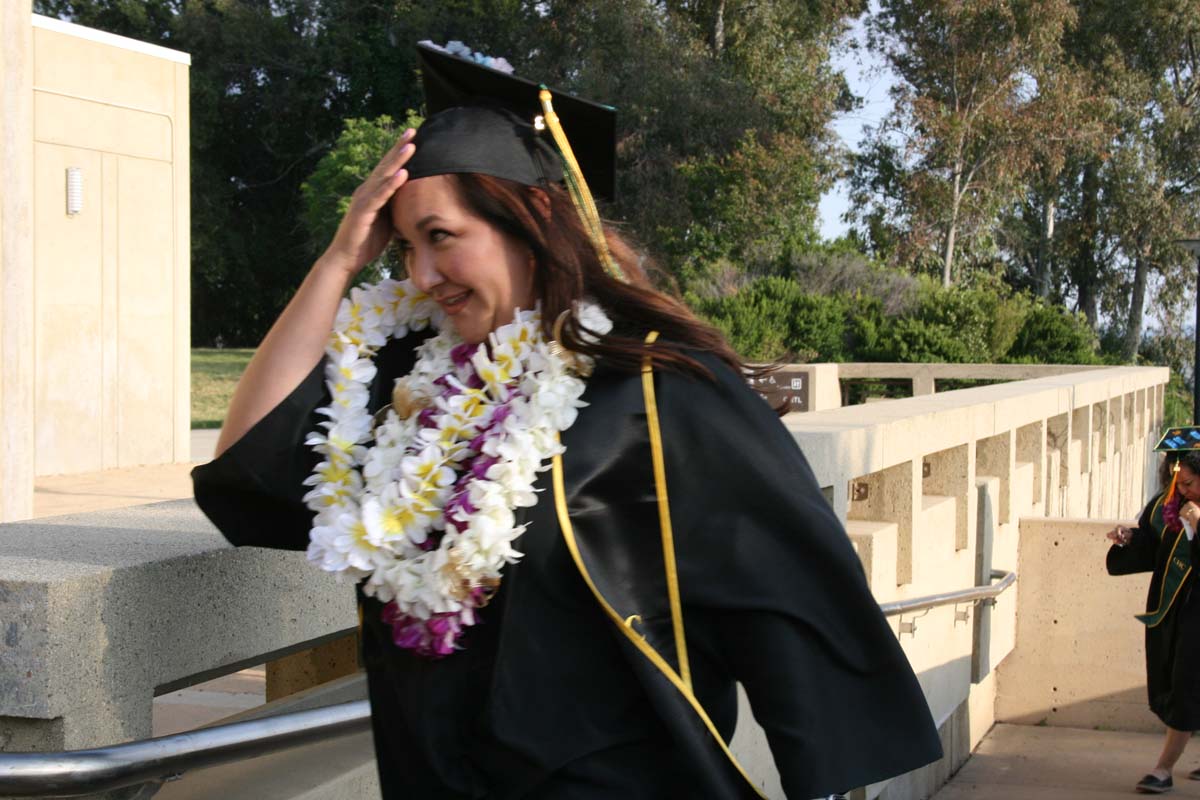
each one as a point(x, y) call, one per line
point(215, 373)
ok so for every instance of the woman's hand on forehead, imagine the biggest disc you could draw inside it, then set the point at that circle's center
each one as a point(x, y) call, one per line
point(366, 228)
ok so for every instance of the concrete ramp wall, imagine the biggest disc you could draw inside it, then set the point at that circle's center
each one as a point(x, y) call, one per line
point(1079, 660)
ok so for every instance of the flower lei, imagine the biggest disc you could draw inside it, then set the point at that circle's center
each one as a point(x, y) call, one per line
point(1171, 519)
point(421, 502)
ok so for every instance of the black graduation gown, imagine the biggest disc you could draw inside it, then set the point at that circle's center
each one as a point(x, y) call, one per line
point(1172, 646)
point(550, 698)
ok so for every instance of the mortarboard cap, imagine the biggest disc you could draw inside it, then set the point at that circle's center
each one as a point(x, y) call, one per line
point(481, 119)
point(1179, 439)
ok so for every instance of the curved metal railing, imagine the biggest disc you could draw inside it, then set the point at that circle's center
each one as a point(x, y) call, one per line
point(78, 772)
point(973, 595)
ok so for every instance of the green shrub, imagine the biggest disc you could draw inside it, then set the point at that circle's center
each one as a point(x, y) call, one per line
point(779, 318)
point(1053, 335)
point(773, 318)
point(956, 325)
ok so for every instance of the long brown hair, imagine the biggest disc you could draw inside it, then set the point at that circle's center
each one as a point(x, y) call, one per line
point(569, 269)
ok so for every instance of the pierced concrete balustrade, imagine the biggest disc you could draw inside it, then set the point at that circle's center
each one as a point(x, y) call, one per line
point(932, 489)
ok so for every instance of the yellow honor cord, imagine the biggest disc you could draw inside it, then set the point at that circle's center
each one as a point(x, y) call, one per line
point(589, 215)
point(664, 514)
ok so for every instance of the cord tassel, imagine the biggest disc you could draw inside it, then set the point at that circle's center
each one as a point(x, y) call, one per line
point(577, 186)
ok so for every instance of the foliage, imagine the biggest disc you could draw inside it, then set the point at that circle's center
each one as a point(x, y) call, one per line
point(1177, 403)
point(778, 318)
point(950, 154)
point(733, 96)
point(1053, 335)
point(774, 319)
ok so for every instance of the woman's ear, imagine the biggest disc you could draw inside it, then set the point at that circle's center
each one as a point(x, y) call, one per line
point(541, 201)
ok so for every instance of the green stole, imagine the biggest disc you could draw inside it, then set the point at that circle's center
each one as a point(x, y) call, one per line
point(1179, 566)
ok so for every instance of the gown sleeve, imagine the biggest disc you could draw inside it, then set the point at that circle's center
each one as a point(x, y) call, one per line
point(1140, 554)
point(253, 492)
point(771, 583)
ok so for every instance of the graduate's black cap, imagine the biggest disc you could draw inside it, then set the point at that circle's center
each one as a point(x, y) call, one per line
point(481, 119)
point(1179, 439)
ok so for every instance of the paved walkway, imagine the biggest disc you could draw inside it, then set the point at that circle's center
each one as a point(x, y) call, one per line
point(117, 488)
point(54, 495)
point(1022, 762)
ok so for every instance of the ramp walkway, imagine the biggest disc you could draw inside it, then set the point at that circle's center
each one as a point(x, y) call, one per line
point(1029, 762)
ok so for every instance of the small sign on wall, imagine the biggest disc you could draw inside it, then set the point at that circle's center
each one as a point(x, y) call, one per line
point(786, 387)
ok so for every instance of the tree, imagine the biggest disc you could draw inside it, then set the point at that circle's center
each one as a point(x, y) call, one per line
point(273, 83)
point(1129, 195)
point(957, 144)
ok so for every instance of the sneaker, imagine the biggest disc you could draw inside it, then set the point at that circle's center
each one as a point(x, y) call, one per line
point(1194, 775)
point(1152, 784)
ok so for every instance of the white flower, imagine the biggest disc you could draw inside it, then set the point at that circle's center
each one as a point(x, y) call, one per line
point(593, 319)
point(426, 471)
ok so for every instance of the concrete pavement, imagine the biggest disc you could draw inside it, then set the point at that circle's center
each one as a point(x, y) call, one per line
point(54, 495)
point(1027, 762)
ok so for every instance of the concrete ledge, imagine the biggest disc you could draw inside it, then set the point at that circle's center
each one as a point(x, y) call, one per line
point(102, 611)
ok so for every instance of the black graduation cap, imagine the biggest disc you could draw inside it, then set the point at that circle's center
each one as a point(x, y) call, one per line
point(482, 120)
point(1179, 439)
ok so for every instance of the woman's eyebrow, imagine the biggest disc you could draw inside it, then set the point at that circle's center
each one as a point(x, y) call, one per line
point(427, 220)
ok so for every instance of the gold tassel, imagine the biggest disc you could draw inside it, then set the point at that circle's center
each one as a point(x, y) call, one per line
point(1174, 479)
point(578, 188)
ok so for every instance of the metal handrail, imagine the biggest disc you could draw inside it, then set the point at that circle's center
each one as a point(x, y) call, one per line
point(77, 772)
point(972, 595)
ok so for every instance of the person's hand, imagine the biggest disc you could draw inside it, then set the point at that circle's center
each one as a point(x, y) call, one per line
point(1190, 513)
point(1120, 535)
point(366, 229)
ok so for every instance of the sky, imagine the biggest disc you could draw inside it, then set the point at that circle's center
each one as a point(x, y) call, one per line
point(869, 79)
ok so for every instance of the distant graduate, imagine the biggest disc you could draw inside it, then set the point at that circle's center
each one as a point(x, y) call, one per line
point(1164, 543)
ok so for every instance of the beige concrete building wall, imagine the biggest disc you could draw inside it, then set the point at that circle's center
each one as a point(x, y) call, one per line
point(110, 343)
point(16, 262)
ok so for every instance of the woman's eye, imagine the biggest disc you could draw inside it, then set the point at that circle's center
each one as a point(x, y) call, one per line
point(437, 234)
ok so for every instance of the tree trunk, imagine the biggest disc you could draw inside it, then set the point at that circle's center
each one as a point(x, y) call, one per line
point(1042, 267)
point(1133, 330)
point(718, 29)
point(951, 233)
point(1085, 267)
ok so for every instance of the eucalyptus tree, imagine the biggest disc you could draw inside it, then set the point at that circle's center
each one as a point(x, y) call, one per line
point(968, 112)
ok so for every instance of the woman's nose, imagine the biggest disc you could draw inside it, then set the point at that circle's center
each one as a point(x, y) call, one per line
point(422, 269)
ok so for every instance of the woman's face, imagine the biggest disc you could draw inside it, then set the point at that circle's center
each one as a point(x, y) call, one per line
point(476, 273)
point(1188, 484)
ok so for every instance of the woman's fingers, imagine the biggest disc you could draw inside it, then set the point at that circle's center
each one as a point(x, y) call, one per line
point(394, 158)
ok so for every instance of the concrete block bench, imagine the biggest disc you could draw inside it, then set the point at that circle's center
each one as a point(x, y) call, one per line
point(100, 612)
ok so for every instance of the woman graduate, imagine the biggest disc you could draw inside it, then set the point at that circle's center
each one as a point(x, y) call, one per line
point(573, 526)
point(1164, 543)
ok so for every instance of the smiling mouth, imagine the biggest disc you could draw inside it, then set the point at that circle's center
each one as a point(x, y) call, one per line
point(454, 303)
